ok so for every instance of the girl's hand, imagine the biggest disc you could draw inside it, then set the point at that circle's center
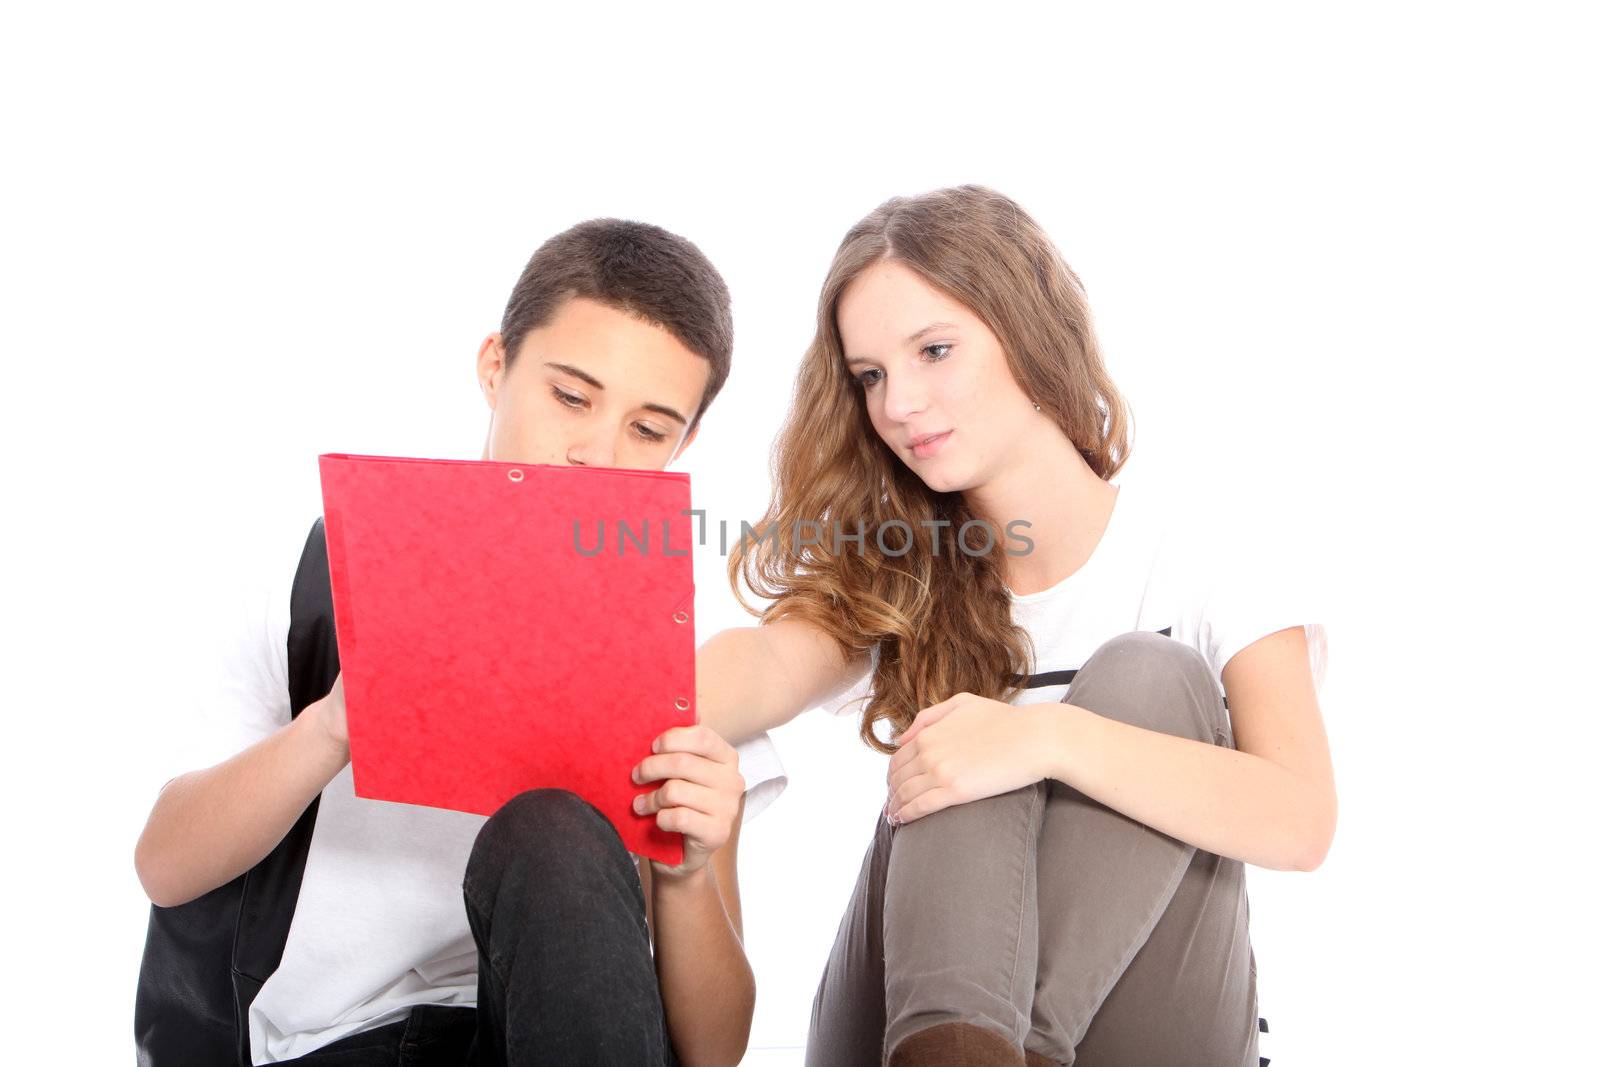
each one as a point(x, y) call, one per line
point(967, 748)
point(699, 797)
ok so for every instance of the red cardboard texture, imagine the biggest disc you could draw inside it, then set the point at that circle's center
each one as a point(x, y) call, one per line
point(484, 654)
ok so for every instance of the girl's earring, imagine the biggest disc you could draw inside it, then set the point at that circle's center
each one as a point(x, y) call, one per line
point(1036, 407)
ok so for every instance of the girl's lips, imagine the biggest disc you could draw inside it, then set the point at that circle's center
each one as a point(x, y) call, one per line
point(931, 446)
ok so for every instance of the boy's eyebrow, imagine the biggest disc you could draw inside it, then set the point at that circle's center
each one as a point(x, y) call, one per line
point(585, 376)
point(662, 409)
point(913, 339)
point(581, 375)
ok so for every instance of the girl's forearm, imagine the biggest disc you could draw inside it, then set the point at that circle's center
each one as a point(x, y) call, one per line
point(756, 678)
point(734, 683)
point(1218, 799)
point(707, 987)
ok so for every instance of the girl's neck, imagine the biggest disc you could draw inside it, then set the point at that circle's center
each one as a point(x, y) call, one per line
point(1067, 505)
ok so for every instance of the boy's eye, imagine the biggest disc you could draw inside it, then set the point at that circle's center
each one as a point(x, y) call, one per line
point(572, 400)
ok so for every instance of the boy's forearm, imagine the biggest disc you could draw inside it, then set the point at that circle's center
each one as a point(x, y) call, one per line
point(707, 987)
point(209, 826)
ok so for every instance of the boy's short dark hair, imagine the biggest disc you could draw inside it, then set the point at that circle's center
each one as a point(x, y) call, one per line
point(636, 268)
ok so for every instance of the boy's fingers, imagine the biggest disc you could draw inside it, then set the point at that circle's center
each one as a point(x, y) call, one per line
point(672, 765)
point(678, 793)
point(699, 739)
point(695, 824)
point(691, 768)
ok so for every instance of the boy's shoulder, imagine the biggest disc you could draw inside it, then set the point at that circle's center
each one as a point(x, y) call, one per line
point(233, 689)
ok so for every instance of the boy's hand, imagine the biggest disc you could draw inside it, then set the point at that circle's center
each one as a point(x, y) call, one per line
point(330, 714)
point(699, 797)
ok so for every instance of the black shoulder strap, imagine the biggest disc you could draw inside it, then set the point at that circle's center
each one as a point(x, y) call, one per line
point(313, 648)
point(205, 961)
point(1039, 681)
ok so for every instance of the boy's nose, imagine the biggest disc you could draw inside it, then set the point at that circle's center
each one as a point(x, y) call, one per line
point(597, 453)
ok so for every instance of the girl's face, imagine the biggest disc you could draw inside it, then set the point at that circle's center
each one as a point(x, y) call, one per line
point(592, 387)
point(936, 381)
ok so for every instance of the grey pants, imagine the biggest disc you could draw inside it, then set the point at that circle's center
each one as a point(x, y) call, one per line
point(1077, 932)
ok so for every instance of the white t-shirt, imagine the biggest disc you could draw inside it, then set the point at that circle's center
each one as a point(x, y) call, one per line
point(380, 924)
point(1173, 564)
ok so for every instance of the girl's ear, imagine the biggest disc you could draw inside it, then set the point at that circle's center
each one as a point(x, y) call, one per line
point(491, 367)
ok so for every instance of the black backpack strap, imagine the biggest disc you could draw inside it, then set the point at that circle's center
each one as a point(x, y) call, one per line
point(272, 887)
point(205, 961)
point(313, 646)
point(1039, 681)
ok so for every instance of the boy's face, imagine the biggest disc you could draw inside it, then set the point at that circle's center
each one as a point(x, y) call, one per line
point(593, 387)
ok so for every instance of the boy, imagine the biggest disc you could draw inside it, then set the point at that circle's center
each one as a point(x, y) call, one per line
point(421, 935)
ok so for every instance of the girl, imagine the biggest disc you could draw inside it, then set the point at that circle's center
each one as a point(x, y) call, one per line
point(1058, 876)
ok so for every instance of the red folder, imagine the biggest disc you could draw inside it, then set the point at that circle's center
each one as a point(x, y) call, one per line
point(507, 626)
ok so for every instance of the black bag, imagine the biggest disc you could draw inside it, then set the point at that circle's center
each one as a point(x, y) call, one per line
point(205, 961)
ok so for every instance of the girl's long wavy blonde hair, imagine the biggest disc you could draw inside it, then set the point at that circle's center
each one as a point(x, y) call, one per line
point(942, 621)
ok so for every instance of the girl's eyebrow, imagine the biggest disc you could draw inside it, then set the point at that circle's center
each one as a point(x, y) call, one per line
point(585, 376)
point(913, 339)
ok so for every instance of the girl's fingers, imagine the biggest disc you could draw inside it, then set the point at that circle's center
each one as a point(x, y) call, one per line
point(910, 790)
point(910, 768)
point(935, 799)
point(903, 755)
point(927, 717)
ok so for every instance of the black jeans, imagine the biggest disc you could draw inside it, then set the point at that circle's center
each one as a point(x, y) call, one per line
point(565, 973)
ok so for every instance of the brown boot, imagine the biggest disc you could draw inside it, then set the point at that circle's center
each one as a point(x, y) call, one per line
point(1037, 1060)
point(955, 1045)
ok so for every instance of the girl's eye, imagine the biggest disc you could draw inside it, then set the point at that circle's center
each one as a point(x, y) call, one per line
point(570, 399)
point(647, 433)
point(936, 352)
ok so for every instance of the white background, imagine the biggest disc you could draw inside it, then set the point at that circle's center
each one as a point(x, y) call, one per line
point(1341, 259)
